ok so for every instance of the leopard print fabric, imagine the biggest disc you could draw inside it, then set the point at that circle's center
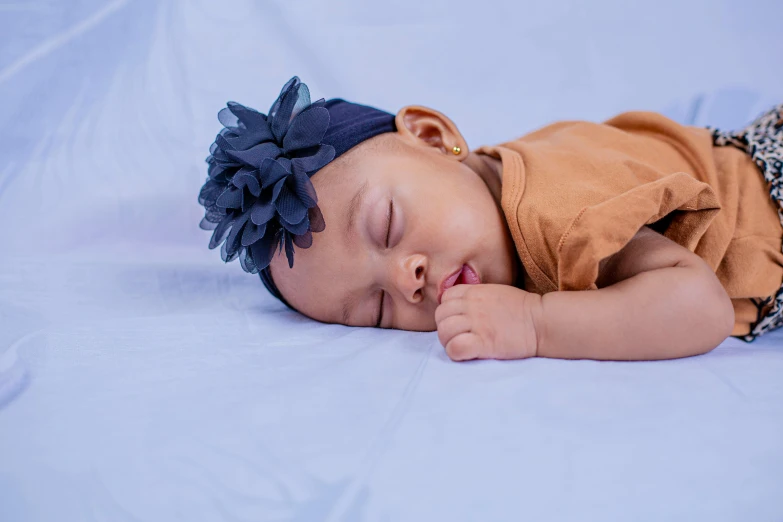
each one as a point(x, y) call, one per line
point(763, 141)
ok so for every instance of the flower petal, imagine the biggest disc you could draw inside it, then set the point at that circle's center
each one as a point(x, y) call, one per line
point(244, 140)
point(221, 231)
point(252, 233)
point(227, 118)
point(230, 198)
point(317, 223)
point(307, 129)
point(246, 262)
point(215, 214)
point(223, 144)
point(283, 108)
point(302, 99)
point(285, 162)
point(216, 170)
point(271, 172)
point(254, 156)
point(251, 118)
point(297, 228)
point(225, 256)
point(304, 190)
point(210, 192)
point(289, 86)
point(241, 138)
point(211, 216)
point(289, 250)
point(290, 208)
point(247, 177)
point(324, 155)
point(206, 224)
point(221, 158)
point(262, 212)
point(264, 250)
point(234, 239)
point(277, 188)
point(304, 240)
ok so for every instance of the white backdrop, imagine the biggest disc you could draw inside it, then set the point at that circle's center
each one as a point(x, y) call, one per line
point(140, 379)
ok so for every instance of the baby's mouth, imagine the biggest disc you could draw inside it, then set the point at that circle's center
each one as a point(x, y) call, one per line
point(465, 275)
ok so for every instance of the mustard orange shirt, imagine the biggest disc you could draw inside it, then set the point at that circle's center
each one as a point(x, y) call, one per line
point(574, 193)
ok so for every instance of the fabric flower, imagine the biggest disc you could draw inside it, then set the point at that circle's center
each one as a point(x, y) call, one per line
point(258, 196)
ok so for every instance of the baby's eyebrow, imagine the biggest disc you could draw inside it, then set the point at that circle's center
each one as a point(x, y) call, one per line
point(353, 209)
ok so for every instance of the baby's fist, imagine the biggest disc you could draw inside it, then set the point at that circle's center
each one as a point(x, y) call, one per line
point(488, 322)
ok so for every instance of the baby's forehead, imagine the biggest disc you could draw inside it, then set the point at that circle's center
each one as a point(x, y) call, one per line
point(363, 159)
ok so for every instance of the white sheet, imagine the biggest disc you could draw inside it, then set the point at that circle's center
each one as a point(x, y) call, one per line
point(140, 379)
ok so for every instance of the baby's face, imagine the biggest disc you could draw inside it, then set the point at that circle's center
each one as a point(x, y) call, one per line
point(399, 221)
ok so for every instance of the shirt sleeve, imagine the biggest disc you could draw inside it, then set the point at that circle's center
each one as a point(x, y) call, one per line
point(605, 227)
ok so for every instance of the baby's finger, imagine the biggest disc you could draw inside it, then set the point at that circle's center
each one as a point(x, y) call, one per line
point(449, 308)
point(455, 292)
point(452, 326)
point(464, 347)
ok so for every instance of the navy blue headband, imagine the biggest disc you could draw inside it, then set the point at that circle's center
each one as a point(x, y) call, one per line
point(258, 196)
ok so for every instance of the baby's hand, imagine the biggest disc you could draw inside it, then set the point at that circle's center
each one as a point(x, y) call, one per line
point(488, 322)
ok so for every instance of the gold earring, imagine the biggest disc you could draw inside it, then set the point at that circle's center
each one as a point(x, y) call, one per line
point(456, 150)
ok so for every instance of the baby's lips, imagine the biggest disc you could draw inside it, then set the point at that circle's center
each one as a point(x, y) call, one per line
point(466, 273)
point(449, 282)
point(469, 276)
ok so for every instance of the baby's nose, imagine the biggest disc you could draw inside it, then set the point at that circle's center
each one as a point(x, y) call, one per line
point(410, 276)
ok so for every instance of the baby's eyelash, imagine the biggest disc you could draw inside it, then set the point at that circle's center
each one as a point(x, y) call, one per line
point(380, 312)
point(388, 221)
point(388, 233)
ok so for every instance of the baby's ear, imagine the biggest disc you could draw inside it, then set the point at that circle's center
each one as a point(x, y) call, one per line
point(429, 128)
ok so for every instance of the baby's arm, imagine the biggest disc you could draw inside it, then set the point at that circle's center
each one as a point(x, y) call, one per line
point(656, 300)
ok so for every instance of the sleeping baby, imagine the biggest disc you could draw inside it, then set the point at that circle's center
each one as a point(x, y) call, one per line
point(633, 239)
